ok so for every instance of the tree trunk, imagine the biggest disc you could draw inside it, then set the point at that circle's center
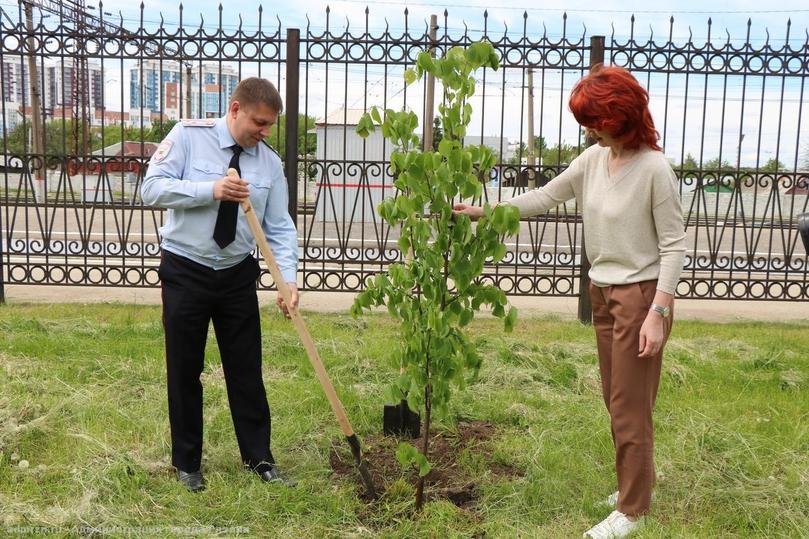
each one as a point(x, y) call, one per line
point(425, 445)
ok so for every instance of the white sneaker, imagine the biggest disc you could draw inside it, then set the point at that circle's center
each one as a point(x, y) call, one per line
point(615, 526)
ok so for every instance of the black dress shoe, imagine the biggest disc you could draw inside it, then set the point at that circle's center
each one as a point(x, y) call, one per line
point(193, 481)
point(272, 474)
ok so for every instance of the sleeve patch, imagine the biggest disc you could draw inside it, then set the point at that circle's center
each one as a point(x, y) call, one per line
point(200, 122)
point(162, 151)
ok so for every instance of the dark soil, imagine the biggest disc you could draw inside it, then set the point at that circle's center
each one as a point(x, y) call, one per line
point(447, 479)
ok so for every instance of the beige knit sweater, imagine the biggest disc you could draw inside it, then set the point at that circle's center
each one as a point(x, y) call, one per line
point(633, 222)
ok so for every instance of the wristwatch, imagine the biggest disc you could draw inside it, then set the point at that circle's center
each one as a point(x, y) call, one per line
point(662, 311)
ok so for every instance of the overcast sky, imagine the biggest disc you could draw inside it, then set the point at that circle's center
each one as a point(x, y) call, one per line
point(704, 127)
point(597, 15)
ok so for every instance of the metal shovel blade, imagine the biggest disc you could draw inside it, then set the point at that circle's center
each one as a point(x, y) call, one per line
point(803, 227)
point(400, 420)
point(361, 465)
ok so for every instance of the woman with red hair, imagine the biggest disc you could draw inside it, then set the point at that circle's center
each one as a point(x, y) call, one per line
point(633, 225)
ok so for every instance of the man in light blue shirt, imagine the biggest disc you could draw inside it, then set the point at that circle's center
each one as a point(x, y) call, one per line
point(208, 273)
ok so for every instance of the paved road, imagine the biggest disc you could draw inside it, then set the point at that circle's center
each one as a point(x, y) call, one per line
point(138, 229)
point(328, 302)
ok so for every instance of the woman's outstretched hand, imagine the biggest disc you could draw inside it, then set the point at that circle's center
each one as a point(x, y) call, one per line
point(474, 212)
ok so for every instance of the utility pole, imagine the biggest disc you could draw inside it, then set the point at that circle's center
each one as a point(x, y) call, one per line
point(81, 88)
point(532, 182)
point(37, 131)
point(429, 98)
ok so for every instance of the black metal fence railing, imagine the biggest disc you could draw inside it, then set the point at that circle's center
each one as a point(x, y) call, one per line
point(76, 144)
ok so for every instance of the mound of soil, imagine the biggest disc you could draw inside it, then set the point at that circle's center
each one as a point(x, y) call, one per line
point(447, 479)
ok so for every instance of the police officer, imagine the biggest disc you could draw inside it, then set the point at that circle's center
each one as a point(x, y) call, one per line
point(208, 272)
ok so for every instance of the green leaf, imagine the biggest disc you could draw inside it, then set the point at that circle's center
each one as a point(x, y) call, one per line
point(466, 317)
point(494, 60)
point(375, 115)
point(406, 454)
point(512, 218)
point(445, 146)
point(498, 218)
point(404, 244)
point(403, 382)
point(397, 161)
point(390, 395)
point(468, 91)
point(468, 190)
point(511, 317)
point(365, 126)
point(410, 76)
point(423, 465)
point(477, 53)
point(425, 61)
point(365, 300)
point(499, 252)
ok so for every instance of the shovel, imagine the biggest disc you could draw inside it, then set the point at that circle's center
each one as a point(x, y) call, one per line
point(308, 344)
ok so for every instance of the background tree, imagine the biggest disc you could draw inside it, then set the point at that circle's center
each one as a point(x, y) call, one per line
point(59, 136)
point(773, 165)
point(689, 163)
point(561, 154)
point(307, 141)
point(540, 151)
point(540, 146)
point(17, 139)
point(158, 131)
point(714, 165)
point(522, 151)
point(436, 291)
point(688, 169)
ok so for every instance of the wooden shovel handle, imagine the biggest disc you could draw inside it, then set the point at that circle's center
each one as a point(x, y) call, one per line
point(294, 314)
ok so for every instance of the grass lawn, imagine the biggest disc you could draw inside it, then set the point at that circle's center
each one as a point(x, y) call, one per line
point(83, 401)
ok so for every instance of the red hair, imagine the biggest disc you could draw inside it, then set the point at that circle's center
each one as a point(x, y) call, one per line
point(610, 99)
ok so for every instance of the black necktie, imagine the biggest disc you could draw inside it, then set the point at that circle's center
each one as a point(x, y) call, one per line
point(224, 231)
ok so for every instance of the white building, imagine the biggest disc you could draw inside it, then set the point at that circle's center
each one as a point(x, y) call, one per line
point(60, 78)
point(57, 81)
point(500, 146)
point(353, 177)
point(12, 116)
point(354, 174)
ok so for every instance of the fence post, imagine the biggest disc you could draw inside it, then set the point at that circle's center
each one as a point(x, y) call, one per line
point(2, 241)
point(585, 306)
point(291, 107)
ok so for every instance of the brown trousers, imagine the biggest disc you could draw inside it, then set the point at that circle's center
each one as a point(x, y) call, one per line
point(629, 385)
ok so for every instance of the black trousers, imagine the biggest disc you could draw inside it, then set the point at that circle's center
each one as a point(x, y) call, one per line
point(193, 295)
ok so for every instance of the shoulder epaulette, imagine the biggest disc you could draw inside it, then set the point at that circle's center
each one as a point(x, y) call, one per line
point(199, 122)
point(267, 144)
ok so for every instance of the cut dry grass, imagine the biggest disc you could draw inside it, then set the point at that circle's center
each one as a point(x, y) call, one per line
point(82, 400)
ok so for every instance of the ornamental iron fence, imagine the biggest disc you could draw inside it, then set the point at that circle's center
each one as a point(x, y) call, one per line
point(86, 98)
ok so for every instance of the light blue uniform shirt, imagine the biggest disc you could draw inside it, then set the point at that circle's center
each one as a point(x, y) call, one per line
point(181, 177)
